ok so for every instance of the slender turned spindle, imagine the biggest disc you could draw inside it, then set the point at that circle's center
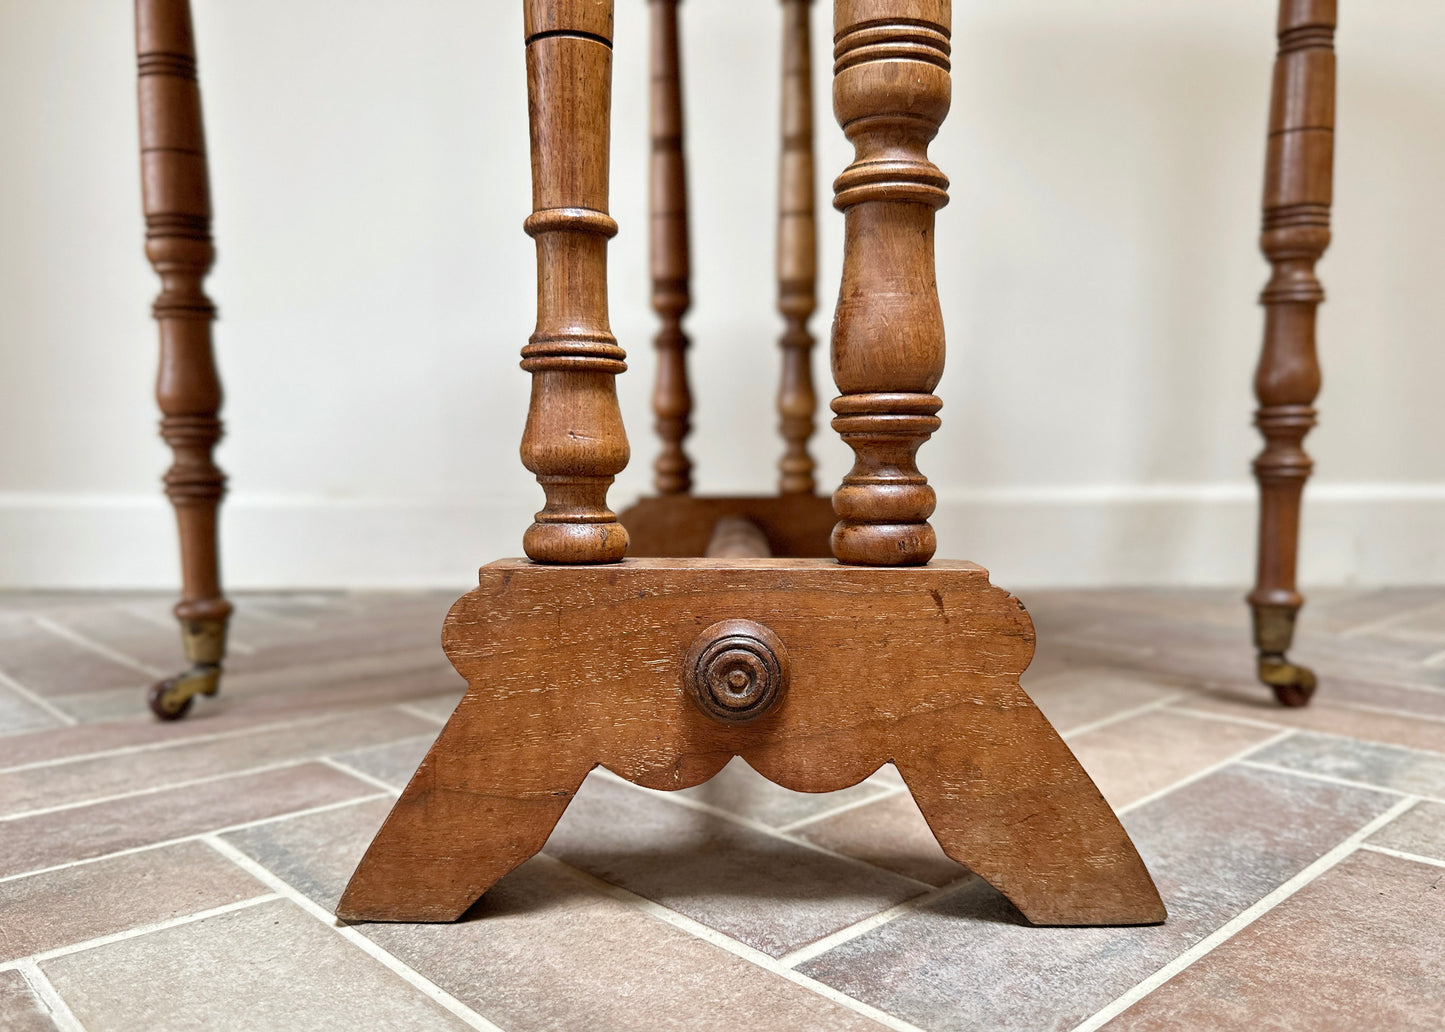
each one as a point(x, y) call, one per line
point(574, 441)
point(671, 397)
point(737, 537)
point(797, 252)
point(177, 204)
point(1296, 231)
point(891, 91)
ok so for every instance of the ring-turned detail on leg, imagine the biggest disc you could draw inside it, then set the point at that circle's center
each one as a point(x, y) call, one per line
point(1297, 192)
point(177, 203)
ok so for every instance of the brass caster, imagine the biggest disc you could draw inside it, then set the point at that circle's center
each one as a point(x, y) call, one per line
point(171, 699)
point(1293, 684)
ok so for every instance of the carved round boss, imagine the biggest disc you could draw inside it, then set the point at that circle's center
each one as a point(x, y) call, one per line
point(735, 670)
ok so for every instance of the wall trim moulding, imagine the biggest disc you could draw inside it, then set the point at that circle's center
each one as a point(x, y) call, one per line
point(1029, 536)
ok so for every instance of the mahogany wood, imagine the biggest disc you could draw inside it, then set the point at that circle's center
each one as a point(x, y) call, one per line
point(678, 526)
point(891, 90)
point(915, 666)
point(797, 252)
point(175, 192)
point(1296, 231)
point(574, 440)
point(667, 183)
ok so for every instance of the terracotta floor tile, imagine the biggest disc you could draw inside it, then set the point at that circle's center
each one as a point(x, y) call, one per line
point(315, 853)
point(385, 677)
point(394, 763)
point(544, 953)
point(1081, 695)
point(1215, 847)
point(737, 788)
point(442, 705)
point(49, 665)
point(1292, 969)
point(1420, 830)
point(134, 636)
point(20, 1009)
point(1404, 770)
point(1321, 715)
point(889, 833)
point(74, 904)
point(1368, 608)
point(1131, 758)
point(31, 843)
point(80, 780)
point(222, 973)
point(18, 715)
point(767, 892)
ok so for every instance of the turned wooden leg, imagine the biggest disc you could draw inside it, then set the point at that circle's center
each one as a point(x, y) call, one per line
point(176, 197)
point(815, 672)
point(797, 252)
point(668, 243)
point(1296, 232)
point(891, 90)
point(574, 440)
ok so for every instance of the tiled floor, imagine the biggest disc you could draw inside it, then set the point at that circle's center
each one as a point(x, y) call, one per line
point(181, 876)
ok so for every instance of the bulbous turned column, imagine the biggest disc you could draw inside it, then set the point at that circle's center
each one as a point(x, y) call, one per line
point(797, 252)
point(1296, 231)
point(177, 203)
point(574, 440)
point(668, 254)
point(891, 91)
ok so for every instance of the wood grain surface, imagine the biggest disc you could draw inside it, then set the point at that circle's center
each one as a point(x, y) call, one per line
point(570, 668)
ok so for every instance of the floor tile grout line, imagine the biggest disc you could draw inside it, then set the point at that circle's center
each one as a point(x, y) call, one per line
point(1401, 854)
point(1433, 660)
point(419, 713)
point(885, 792)
point(195, 837)
point(94, 647)
point(154, 789)
point(766, 829)
point(60, 1013)
point(834, 939)
point(39, 701)
point(168, 743)
point(1202, 773)
point(1122, 715)
point(1383, 622)
point(1245, 918)
point(360, 775)
point(398, 967)
point(737, 948)
point(139, 930)
point(1229, 718)
point(1333, 779)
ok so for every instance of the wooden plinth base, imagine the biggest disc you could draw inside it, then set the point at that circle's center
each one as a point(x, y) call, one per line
point(574, 667)
point(679, 526)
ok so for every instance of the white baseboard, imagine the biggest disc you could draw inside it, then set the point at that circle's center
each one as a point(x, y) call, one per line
point(1060, 536)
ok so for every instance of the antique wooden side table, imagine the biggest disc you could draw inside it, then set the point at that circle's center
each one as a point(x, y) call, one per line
point(818, 638)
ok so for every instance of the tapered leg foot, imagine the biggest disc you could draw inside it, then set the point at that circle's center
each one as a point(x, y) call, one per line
point(205, 642)
point(1293, 685)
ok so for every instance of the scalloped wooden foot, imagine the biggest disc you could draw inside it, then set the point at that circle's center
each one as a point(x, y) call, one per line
point(817, 674)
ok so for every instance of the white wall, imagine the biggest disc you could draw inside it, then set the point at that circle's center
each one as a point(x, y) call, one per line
point(369, 160)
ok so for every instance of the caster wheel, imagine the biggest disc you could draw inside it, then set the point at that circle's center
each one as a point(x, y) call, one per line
point(1294, 695)
point(163, 702)
point(1293, 685)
